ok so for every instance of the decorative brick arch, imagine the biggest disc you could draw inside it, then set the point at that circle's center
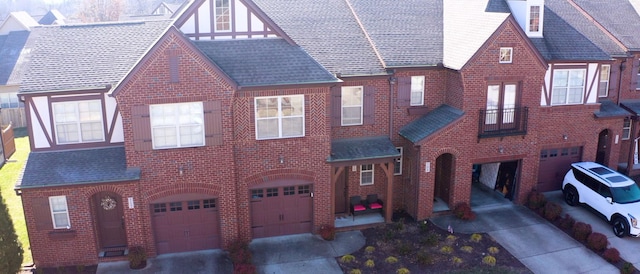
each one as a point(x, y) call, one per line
point(182, 188)
point(280, 174)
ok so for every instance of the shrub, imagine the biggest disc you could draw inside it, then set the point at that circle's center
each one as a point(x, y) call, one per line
point(399, 225)
point(347, 258)
point(581, 231)
point(627, 268)
point(389, 235)
point(239, 252)
point(552, 211)
point(597, 241)
point(244, 268)
point(430, 239)
point(369, 264)
point(424, 258)
point(467, 249)
point(536, 200)
point(391, 260)
point(423, 226)
point(403, 271)
point(355, 271)
point(489, 260)
point(567, 222)
point(475, 237)
point(403, 248)
point(451, 238)
point(137, 257)
point(493, 250)
point(456, 260)
point(446, 249)
point(369, 249)
point(328, 232)
point(80, 268)
point(10, 247)
point(611, 255)
point(463, 212)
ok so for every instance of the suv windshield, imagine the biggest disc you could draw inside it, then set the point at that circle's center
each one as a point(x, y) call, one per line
point(626, 194)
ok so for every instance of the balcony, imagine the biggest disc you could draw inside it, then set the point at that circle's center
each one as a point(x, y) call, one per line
point(502, 122)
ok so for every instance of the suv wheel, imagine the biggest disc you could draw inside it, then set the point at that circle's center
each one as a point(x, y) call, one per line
point(620, 226)
point(571, 196)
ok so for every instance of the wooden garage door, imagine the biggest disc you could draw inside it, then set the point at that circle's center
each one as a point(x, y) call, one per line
point(186, 225)
point(281, 210)
point(554, 164)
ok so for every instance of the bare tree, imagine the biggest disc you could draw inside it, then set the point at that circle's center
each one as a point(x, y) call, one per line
point(100, 10)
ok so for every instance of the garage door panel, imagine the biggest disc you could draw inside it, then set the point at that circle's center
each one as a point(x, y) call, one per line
point(554, 164)
point(281, 211)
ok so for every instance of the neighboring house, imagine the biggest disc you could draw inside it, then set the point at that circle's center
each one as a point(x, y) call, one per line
point(248, 119)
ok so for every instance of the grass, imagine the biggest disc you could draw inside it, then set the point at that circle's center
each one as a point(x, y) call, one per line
point(8, 175)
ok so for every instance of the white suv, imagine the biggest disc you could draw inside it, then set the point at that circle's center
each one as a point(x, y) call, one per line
point(613, 195)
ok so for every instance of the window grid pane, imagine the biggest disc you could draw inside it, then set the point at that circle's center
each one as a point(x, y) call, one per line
point(366, 174)
point(78, 121)
point(209, 203)
point(568, 86)
point(352, 101)
point(279, 117)
point(59, 212)
point(177, 125)
point(603, 87)
point(417, 90)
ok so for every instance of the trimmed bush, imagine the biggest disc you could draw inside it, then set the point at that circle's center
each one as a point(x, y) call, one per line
point(463, 212)
point(475, 237)
point(369, 249)
point(536, 200)
point(391, 260)
point(347, 258)
point(355, 271)
point(239, 252)
point(403, 271)
point(567, 222)
point(581, 231)
point(137, 257)
point(552, 211)
point(369, 263)
point(446, 249)
point(456, 260)
point(244, 268)
point(493, 250)
point(627, 268)
point(327, 232)
point(612, 255)
point(489, 260)
point(597, 241)
point(467, 249)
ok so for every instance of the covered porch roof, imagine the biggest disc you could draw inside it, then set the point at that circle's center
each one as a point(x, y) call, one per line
point(369, 149)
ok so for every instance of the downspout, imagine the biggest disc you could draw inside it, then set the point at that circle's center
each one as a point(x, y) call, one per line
point(392, 83)
point(622, 67)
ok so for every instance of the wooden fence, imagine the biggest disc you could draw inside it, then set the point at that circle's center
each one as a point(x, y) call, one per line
point(8, 142)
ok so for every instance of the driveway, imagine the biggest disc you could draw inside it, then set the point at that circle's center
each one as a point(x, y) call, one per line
point(627, 246)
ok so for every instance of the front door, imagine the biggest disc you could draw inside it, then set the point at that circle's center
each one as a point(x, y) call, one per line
point(444, 179)
point(603, 142)
point(110, 219)
point(341, 193)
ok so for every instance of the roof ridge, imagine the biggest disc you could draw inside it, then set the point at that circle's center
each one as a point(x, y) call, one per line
point(597, 24)
point(366, 34)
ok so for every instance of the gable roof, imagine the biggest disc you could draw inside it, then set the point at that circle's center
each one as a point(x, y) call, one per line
point(12, 61)
point(44, 169)
point(362, 148)
point(86, 56)
point(328, 31)
point(569, 35)
point(21, 18)
point(53, 17)
point(430, 123)
point(467, 26)
point(608, 14)
point(264, 62)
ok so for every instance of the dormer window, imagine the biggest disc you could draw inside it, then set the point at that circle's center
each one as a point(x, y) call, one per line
point(534, 19)
point(223, 15)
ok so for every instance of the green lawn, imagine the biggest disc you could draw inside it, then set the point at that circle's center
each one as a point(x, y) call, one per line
point(8, 176)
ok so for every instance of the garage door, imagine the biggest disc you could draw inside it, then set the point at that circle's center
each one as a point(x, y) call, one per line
point(185, 225)
point(554, 164)
point(281, 210)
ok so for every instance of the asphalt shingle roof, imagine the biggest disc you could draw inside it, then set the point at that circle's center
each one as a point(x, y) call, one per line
point(609, 14)
point(11, 64)
point(52, 17)
point(363, 148)
point(74, 167)
point(328, 31)
point(430, 123)
point(569, 35)
point(265, 62)
point(609, 108)
point(88, 55)
point(632, 105)
point(406, 34)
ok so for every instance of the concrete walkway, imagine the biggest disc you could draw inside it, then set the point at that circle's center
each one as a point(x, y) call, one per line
point(196, 262)
point(538, 244)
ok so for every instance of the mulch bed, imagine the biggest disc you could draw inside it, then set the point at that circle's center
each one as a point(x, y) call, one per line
point(422, 247)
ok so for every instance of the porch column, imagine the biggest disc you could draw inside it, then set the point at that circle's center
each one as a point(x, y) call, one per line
point(388, 205)
point(335, 173)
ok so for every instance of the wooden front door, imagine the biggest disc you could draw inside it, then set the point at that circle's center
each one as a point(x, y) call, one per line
point(444, 169)
point(341, 193)
point(110, 217)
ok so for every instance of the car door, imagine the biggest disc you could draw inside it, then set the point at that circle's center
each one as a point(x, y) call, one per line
point(604, 207)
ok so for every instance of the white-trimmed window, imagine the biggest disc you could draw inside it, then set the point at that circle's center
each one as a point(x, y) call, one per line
point(397, 168)
point(352, 99)
point(366, 175)
point(10, 100)
point(603, 88)
point(223, 15)
point(506, 55)
point(417, 90)
point(177, 125)
point(59, 212)
point(568, 86)
point(534, 19)
point(279, 117)
point(78, 121)
point(626, 129)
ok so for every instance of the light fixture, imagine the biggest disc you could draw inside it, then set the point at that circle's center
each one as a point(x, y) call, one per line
point(181, 170)
point(281, 159)
point(565, 137)
point(501, 149)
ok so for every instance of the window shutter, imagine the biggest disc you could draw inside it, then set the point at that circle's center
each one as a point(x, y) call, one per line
point(369, 105)
point(174, 69)
point(336, 106)
point(614, 76)
point(404, 91)
point(634, 75)
point(141, 128)
point(42, 213)
point(213, 123)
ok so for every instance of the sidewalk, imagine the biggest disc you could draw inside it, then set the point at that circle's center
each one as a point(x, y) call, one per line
point(538, 244)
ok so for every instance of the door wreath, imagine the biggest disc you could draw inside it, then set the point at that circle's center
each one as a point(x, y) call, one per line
point(108, 203)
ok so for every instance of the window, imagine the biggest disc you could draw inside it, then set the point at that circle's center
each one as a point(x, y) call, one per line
point(175, 206)
point(397, 169)
point(506, 55)
point(209, 203)
point(193, 205)
point(59, 212)
point(534, 19)
point(626, 129)
point(157, 208)
point(568, 86)
point(223, 18)
point(603, 88)
point(10, 100)
point(289, 190)
point(272, 192)
point(501, 103)
point(177, 125)
point(351, 106)
point(257, 193)
point(78, 121)
point(279, 117)
point(366, 174)
point(417, 90)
